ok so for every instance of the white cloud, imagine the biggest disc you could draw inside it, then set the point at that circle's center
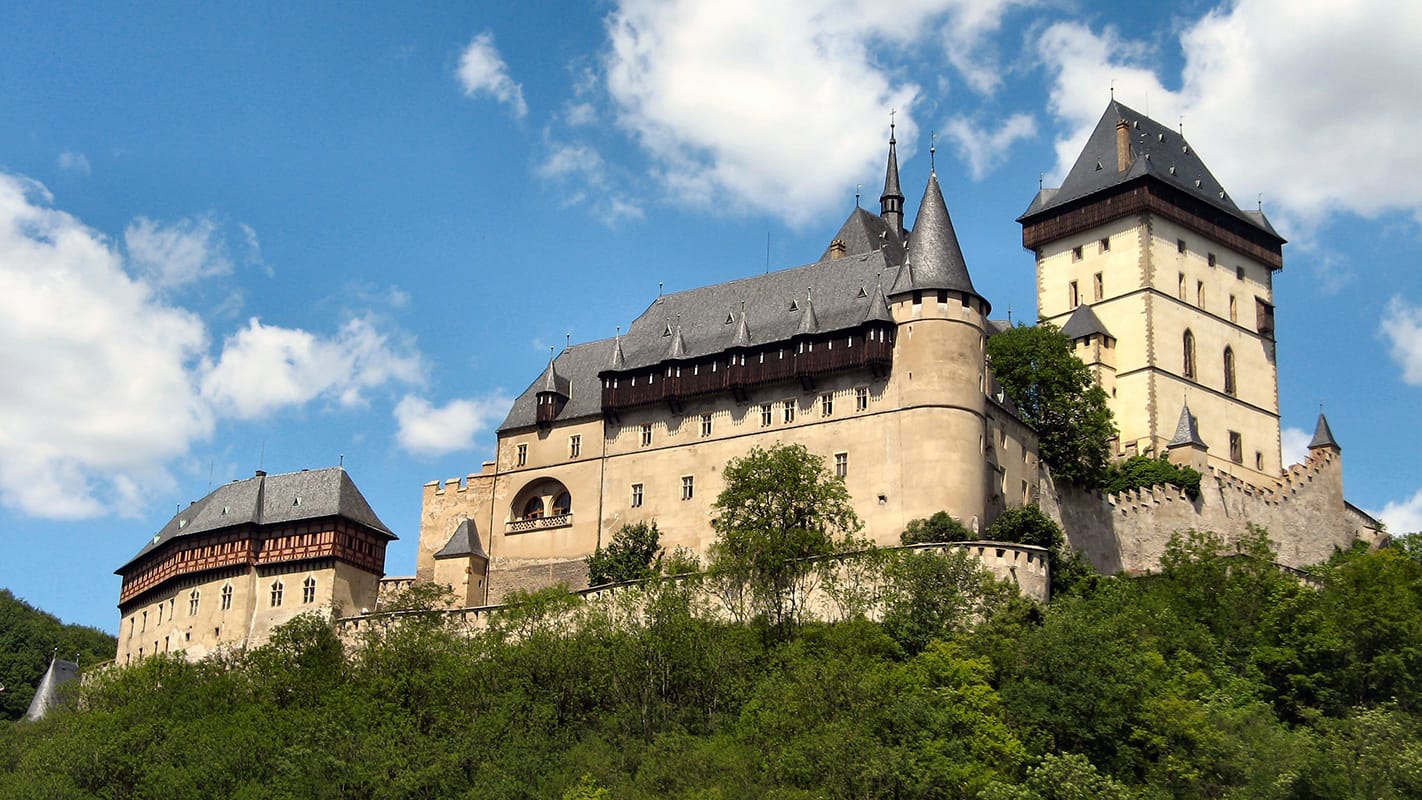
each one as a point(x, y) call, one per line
point(483, 71)
point(98, 386)
point(1295, 445)
point(585, 174)
point(170, 256)
point(1403, 516)
point(427, 430)
point(265, 367)
point(1320, 113)
point(982, 148)
point(1402, 326)
point(77, 163)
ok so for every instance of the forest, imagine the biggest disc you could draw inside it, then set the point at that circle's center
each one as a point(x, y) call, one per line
point(1218, 676)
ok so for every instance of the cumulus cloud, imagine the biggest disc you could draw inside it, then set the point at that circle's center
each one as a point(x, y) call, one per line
point(77, 163)
point(984, 148)
point(1295, 445)
point(585, 175)
point(98, 369)
point(265, 367)
point(1403, 516)
point(1402, 327)
point(177, 254)
point(483, 71)
point(1319, 114)
point(425, 429)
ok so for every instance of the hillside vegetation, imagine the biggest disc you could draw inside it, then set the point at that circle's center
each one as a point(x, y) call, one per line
point(28, 637)
point(1219, 677)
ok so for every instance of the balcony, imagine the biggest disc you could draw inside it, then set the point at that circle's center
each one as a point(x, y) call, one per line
point(540, 523)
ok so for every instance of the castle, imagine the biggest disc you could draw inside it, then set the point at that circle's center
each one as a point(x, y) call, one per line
point(873, 357)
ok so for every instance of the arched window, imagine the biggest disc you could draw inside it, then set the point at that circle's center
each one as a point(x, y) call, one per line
point(562, 504)
point(1229, 371)
point(308, 590)
point(533, 509)
point(276, 593)
point(193, 603)
point(1189, 370)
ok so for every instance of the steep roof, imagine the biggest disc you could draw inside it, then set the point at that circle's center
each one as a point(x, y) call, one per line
point(934, 259)
point(465, 541)
point(269, 500)
point(47, 696)
point(1187, 432)
point(1157, 152)
point(865, 232)
point(579, 364)
point(552, 381)
point(1083, 322)
point(891, 170)
point(1323, 435)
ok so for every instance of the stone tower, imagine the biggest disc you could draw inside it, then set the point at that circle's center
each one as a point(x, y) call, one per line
point(1166, 287)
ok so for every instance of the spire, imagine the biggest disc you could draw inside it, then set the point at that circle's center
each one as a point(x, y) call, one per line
point(878, 310)
point(1322, 435)
point(619, 360)
point(552, 382)
point(47, 695)
point(934, 260)
point(1187, 433)
point(677, 347)
point(809, 322)
point(743, 336)
point(891, 202)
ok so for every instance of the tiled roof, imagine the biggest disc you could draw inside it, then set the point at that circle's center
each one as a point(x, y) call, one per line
point(934, 259)
point(1083, 322)
point(865, 232)
point(1187, 431)
point(465, 541)
point(1323, 435)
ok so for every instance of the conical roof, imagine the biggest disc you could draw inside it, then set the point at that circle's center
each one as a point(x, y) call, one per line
point(809, 323)
point(1323, 435)
point(1186, 431)
point(465, 541)
point(47, 697)
point(742, 337)
point(935, 260)
point(619, 361)
point(891, 172)
point(878, 310)
point(552, 381)
point(676, 348)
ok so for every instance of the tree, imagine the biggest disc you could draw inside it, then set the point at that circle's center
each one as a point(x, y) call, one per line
point(780, 510)
point(1029, 525)
point(1139, 472)
point(1056, 394)
point(938, 528)
point(628, 557)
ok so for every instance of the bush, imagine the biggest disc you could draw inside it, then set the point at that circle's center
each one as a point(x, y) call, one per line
point(628, 557)
point(1139, 472)
point(938, 528)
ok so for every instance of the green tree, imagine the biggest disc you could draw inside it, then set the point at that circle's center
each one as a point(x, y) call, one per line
point(1029, 525)
point(781, 510)
point(1056, 394)
point(28, 638)
point(629, 556)
point(1138, 472)
point(938, 528)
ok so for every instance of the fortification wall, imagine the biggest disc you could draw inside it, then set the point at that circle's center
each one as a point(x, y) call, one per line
point(1304, 513)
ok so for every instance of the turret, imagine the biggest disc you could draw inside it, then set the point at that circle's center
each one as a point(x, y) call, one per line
point(891, 202)
point(1323, 436)
point(552, 394)
point(1187, 449)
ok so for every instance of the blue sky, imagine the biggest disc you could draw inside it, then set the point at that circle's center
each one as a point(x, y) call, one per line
point(278, 235)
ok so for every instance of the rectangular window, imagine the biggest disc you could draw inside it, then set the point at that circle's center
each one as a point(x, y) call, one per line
point(705, 425)
point(918, 298)
point(861, 398)
point(647, 435)
point(1239, 273)
point(1210, 257)
point(227, 598)
point(1073, 296)
point(1258, 460)
point(1233, 310)
point(308, 591)
point(522, 457)
point(1076, 253)
point(636, 495)
point(1098, 288)
point(688, 487)
point(575, 446)
point(1200, 293)
point(788, 408)
point(1179, 245)
point(276, 594)
point(1236, 447)
point(827, 405)
point(1180, 292)
point(765, 412)
point(841, 465)
point(1026, 494)
point(1106, 244)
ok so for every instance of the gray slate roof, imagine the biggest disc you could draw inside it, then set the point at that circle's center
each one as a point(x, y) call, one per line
point(1187, 432)
point(553, 382)
point(891, 170)
point(269, 500)
point(1323, 435)
point(865, 232)
point(1157, 152)
point(47, 697)
point(1083, 322)
point(934, 259)
point(465, 541)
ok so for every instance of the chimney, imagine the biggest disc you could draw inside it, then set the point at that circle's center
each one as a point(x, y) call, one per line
point(1123, 145)
point(837, 249)
point(261, 473)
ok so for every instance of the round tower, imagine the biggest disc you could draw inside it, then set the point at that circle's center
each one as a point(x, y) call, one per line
point(938, 371)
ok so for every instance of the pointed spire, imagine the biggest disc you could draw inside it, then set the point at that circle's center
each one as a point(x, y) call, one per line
point(878, 310)
point(809, 322)
point(1187, 432)
point(677, 347)
point(619, 360)
point(891, 202)
point(552, 382)
point(935, 260)
point(47, 696)
point(743, 335)
point(1323, 435)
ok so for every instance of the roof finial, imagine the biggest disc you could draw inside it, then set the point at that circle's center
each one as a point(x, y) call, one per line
point(1113, 90)
point(1182, 126)
point(892, 112)
point(1009, 315)
point(932, 148)
point(659, 288)
point(1259, 200)
point(1041, 176)
point(567, 339)
point(857, 188)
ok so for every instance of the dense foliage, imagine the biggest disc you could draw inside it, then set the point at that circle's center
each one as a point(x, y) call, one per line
point(631, 555)
point(1056, 394)
point(28, 638)
point(938, 528)
point(1139, 472)
point(1219, 677)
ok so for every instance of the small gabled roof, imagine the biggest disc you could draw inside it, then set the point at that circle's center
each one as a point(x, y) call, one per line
point(1187, 432)
point(1083, 322)
point(809, 323)
point(464, 542)
point(619, 360)
point(1323, 435)
point(934, 259)
point(677, 347)
point(551, 381)
point(865, 232)
point(878, 310)
point(743, 334)
point(1157, 152)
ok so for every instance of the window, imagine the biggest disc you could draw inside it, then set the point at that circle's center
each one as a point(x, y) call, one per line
point(193, 603)
point(276, 593)
point(841, 465)
point(765, 412)
point(1233, 310)
point(226, 598)
point(1264, 316)
point(861, 398)
point(1179, 245)
point(827, 405)
point(705, 425)
point(647, 434)
point(522, 457)
point(1229, 372)
point(1200, 293)
point(1258, 460)
point(788, 408)
point(145, 622)
point(1210, 257)
point(918, 298)
point(1073, 296)
point(636, 495)
point(1026, 494)
point(1097, 287)
point(1105, 244)
point(1076, 253)
point(562, 504)
point(160, 613)
point(308, 590)
point(1236, 447)
point(533, 509)
point(1180, 292)
point(1189, 355)
point(575, 446)
point(1239, 273)
point(688, 487)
